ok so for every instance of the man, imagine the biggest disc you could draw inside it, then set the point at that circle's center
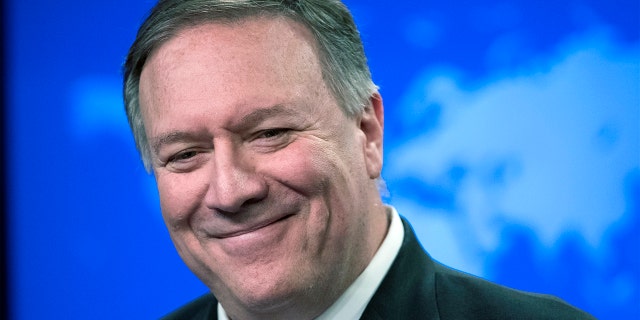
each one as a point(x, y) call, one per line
point(263, 129)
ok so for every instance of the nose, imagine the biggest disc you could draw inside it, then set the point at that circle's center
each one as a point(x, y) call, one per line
point(234, 182)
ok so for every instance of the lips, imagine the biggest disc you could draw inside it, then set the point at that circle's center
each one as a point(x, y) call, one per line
point(251, 228)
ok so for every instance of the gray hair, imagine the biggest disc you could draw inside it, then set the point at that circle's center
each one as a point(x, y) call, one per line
point(341, 53)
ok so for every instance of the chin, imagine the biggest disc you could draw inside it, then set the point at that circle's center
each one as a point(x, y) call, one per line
point(274, 290)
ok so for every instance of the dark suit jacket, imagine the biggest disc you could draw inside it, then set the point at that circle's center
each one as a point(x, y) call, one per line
point(418, 287)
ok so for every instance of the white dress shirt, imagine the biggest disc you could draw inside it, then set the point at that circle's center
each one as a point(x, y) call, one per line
point(355, 299)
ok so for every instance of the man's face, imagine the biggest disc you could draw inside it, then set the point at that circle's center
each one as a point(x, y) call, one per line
point(266, 187)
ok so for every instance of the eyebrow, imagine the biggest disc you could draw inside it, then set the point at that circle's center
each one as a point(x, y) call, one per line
point(247, 120)
point(263, 113)
point(172, 137)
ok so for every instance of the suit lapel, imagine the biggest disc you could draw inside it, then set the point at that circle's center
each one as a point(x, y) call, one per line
point(408, 289)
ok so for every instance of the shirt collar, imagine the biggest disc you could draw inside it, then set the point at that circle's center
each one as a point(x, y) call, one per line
point(355, 299)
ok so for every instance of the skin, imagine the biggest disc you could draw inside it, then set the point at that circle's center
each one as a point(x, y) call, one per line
point(268, 190)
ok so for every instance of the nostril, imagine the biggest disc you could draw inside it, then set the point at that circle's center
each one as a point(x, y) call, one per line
point(234, 181)
point(253, 201)
point(225, 212)
point(234, 189)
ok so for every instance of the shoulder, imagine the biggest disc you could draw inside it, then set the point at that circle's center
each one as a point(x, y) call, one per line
point(204, 307)
point(463, 296)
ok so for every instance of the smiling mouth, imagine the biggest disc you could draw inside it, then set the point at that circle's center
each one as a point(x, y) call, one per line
point(251, 229)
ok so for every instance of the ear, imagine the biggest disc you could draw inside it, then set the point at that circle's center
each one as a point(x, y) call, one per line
point(372, 125)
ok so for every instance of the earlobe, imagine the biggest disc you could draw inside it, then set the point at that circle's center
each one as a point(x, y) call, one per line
point(372, 125)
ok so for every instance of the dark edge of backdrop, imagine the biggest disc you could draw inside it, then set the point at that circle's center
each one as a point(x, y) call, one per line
point(4, 250)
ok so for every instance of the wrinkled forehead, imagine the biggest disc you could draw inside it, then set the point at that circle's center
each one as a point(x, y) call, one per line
point(269, 24)
point(254, 56)
point(279, 40)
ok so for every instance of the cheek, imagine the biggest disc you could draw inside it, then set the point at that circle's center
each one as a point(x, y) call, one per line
point(323, 174)
point(305, 167)
point(322, 179)
point(180, 196)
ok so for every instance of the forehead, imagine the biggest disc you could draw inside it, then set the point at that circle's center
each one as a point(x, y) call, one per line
point(277, 50)
point(212, 75)
point(250, 43)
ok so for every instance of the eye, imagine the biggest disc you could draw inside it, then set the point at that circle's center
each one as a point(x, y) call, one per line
point(272, 133)
point(272, 139)
point(182, 156)
point(186, 160)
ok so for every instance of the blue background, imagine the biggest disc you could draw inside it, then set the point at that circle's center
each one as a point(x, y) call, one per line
point(512, 144)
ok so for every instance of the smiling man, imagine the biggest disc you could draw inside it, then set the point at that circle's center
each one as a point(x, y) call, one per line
point(263, 128)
